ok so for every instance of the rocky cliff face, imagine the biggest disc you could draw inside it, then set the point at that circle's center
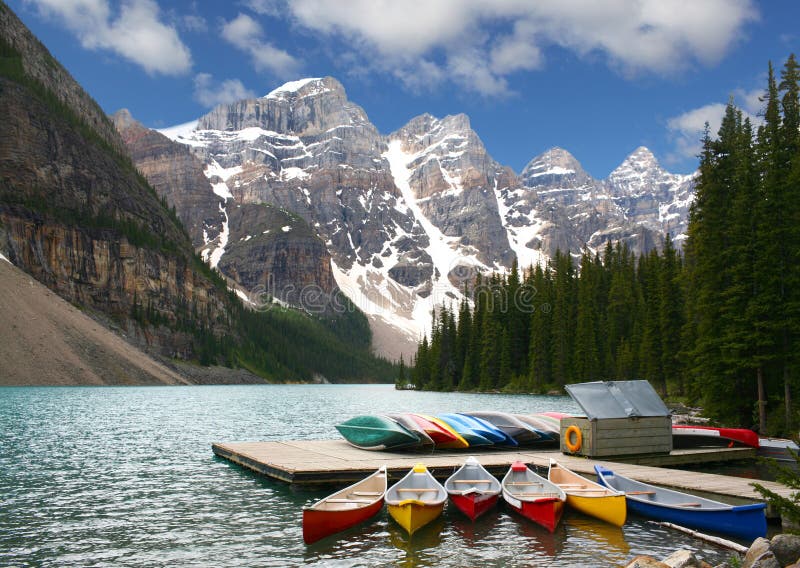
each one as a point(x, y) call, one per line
point(267, 252)
point(74, 212)
point(452, 178)
point(177, 176)
point(272, 253)
point(41, 67)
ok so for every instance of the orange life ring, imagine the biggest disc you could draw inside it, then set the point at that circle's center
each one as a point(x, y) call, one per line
point(576, 445)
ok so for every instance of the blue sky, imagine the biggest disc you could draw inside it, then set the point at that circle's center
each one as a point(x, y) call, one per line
point(598, 78)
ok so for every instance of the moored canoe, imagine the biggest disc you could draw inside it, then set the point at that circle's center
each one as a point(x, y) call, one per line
point(345, 508)
point(747, 522)
point(416, 500)
point(589, 497)
point(472, 489)
point(533, 496)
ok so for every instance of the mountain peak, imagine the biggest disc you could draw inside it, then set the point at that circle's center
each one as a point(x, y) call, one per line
point(123, 118)
point(641, 159)
point(554, 162)
point(305, 87)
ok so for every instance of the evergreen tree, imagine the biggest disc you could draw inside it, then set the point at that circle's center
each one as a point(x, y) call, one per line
point(563, 321)
point(540, 346)
point(670, 315)
point(587, 357)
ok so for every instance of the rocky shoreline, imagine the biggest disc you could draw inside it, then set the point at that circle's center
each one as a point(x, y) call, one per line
point(782, 551)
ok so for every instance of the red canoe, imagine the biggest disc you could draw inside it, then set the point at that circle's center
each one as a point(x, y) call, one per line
point(473, 489)
point(533, 497)
point(441, 437)
point(689, 436)
point(345, 508)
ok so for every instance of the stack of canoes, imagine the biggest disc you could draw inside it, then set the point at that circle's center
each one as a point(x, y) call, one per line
point(418, 499)
point(412, 431)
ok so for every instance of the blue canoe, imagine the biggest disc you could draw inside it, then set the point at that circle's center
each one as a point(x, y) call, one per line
point(746, 522)
point(473, 437)
point(488, 430)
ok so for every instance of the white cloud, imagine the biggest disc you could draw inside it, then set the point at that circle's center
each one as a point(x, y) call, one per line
point(274, 8)
point(507, 36)
point(686, 130)
point(208, 93)
point(136, 33)
point(246, 34)
point(193, 23)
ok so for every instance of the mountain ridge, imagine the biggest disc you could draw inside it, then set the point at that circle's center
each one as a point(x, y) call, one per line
point(411, 217)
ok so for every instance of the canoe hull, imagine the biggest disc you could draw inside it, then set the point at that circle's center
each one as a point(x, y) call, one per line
point(611, 509)
point(543, 512)
point(374, 432)
point(475, 504)
point(684, 436)
point(319, 524)
point(747, 522)
point(412, 515)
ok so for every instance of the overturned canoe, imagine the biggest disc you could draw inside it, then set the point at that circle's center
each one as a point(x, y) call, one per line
point(407, 421)
point(465, 430)
point(521, 432)
point(457, 440)
point(375, 432)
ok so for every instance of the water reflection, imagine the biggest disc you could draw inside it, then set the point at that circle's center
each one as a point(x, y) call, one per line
point(538, 539)
point(472, 533)
point(415, 546)
point(606, 540)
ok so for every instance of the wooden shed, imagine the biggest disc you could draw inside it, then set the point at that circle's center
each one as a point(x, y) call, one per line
point(623, 418)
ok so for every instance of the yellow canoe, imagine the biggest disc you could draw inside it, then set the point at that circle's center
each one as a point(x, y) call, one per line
point(458, 443)
point(416, 500)
point(589, 497)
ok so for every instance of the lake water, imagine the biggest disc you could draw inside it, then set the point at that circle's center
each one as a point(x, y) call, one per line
point(125, 476)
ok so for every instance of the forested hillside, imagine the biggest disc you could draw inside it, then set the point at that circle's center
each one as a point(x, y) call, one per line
point(717, 325)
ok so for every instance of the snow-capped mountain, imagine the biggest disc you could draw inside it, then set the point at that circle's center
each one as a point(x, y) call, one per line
point(410, 217)
point(650, 196)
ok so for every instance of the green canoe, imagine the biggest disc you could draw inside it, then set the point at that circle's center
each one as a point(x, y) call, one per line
point(373, 432)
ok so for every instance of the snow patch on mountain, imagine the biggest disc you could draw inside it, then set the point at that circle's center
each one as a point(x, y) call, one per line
point(180, 132)
point(292, 87)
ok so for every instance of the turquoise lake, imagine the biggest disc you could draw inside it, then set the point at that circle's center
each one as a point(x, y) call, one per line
point(125, 476)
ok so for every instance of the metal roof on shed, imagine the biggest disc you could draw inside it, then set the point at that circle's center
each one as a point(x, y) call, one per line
point(617, 399)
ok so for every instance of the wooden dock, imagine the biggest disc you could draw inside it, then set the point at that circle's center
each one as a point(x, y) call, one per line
point(310, 462)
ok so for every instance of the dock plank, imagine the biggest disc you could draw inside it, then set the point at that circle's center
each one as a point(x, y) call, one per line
point(309, 462)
